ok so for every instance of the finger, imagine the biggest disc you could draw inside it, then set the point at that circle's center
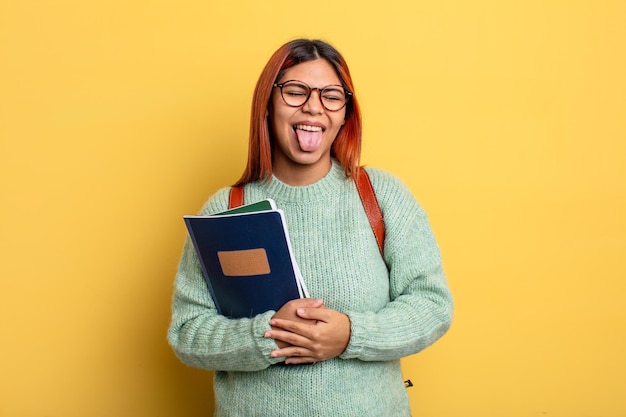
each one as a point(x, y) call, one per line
point(317, 314)
point(297, 354)
point(290, 338)
point(292, 352)
point(292, 326)
point(307, 303)
point(300, 360)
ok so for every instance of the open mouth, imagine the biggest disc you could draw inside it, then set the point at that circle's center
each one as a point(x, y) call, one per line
point(308, 128)
point(309, 137)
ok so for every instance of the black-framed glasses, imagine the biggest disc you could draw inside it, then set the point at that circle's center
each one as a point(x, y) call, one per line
point(296, 93)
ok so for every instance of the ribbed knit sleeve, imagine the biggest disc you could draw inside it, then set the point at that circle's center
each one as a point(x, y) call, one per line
point(420, 308)
point(200, 336)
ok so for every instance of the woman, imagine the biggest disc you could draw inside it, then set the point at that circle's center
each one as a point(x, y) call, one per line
point(369, 310)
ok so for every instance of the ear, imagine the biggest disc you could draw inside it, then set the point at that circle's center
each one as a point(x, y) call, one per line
point(268, 109)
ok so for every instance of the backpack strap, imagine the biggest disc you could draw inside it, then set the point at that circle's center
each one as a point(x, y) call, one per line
point(371, 206)
point(235, 198)
point(366, 193)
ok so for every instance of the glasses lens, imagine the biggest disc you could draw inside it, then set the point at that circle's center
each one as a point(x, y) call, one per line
point(333, 97)
point(295, 94)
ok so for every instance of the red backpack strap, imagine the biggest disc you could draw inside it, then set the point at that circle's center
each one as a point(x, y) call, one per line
point(235, 199)
point(371, 206)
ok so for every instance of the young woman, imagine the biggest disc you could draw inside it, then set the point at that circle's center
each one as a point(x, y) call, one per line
point(368, 311)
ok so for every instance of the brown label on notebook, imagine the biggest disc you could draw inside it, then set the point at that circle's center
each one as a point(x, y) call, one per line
point(239, 263)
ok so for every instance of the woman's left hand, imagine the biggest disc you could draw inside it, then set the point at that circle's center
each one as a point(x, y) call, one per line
point(324, 340)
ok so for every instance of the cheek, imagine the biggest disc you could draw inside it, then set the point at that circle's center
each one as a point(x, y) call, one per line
point(341, 118)
point(280, 127)
point(278, 121)
point(279, 115)
point(340, 122)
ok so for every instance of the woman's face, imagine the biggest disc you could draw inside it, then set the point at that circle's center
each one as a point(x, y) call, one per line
point(302, 136)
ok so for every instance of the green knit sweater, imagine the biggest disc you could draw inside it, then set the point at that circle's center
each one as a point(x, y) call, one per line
point(397, 306)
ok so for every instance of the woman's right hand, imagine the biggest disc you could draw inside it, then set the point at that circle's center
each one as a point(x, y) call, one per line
point(288, 312)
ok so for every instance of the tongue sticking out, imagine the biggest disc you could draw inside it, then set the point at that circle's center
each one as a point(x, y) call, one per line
point(309, 141)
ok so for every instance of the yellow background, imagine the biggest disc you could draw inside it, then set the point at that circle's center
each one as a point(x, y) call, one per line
point(505, 118)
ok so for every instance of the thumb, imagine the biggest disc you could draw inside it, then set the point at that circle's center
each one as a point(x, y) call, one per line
point(311, 303)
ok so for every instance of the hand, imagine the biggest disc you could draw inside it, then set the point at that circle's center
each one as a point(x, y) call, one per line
point(288, 312)
point(324, 334)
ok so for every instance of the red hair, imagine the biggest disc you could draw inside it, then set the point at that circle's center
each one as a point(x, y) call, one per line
point(347, 145)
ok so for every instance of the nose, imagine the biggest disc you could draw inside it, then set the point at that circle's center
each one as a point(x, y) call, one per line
point(314, 104)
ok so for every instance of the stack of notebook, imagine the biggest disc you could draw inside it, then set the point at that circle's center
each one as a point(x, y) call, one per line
point(247, 259)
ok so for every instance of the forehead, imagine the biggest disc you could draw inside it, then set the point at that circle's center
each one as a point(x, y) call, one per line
point(317, 73)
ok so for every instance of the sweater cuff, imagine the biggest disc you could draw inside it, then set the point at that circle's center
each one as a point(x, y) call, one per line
point(261, 324)
point(357, 337)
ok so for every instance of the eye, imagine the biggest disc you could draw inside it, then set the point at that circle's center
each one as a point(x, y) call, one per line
point(295, 90)
point(333, 94)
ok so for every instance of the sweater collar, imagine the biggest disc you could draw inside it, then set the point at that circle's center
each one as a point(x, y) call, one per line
point(319, 190)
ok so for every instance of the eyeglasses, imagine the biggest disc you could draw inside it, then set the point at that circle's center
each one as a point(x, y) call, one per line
point(297, 93)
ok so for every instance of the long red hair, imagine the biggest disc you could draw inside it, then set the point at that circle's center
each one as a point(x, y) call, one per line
point(347, 145)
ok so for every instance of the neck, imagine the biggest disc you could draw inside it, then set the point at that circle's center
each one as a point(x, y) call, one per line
point(301, 174)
